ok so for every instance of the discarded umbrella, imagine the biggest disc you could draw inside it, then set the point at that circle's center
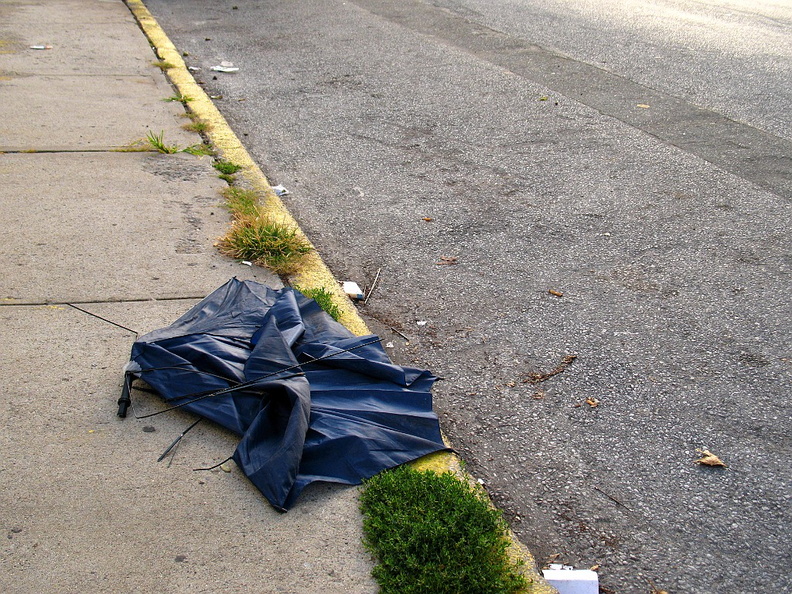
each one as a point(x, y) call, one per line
point(309, 400)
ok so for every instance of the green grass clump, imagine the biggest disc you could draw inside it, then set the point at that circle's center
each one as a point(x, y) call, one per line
point(433, 533)
point(226, 167)
point(324, 298)
point(266, 242)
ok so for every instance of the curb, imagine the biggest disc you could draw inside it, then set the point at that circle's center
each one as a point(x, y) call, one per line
point(314, 273)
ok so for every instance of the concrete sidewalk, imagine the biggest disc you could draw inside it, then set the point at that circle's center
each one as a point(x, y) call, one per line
point(99, 245)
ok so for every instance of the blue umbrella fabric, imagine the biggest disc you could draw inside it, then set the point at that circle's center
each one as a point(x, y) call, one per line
point(309, 400)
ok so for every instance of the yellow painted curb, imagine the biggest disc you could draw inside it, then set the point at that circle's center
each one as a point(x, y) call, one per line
point(315, 273)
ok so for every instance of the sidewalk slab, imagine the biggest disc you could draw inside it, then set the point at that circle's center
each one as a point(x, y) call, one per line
point(113, 226)
point(96, 113)
point(114, 45)
point(89, 92)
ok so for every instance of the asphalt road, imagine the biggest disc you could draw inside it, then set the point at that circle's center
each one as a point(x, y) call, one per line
point(634, 157)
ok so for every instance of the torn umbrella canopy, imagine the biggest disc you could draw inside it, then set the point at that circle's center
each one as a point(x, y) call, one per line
point(309, 400)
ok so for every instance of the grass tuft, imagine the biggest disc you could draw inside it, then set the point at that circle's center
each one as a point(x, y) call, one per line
point(324, 298)
point(163, 65)
point(199, 126)
point(178, 97)
point(267, 242)
point(433, 533)
point(199, 150)
point(157, 142)
point(226, 167)
point(259, 238)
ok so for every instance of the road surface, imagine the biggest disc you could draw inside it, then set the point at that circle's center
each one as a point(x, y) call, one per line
point(541, 180)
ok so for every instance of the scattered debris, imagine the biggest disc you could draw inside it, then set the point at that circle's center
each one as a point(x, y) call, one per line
point(594, 567)
point(352, 289)
point(399, 333)
point(709, 459)
point(41, 47)
point(389, 345)
point(215, 96)
point(373, 286)
point(616, 501)
point(225, 467)
point(281, 190)
point(642, 106)
point(592, 402)
point(556, 293)
point(427, 219)
point(247, 263)
point(421, 322)
point(538, 395)
point(149, 429)
point(447, 261)
point(225, 67)
point(544, 98)
point(193, 68)
point(536, 378)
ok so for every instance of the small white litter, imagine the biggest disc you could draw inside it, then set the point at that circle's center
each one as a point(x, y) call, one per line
point(280, 190)
point(353, 290)
point(568, 580)
point(246, 263)
point(225, 67)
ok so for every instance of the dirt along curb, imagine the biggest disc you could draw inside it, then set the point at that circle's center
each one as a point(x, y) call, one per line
point(314, 273)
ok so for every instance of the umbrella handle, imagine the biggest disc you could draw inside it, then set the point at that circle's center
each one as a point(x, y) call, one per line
point(125, 401)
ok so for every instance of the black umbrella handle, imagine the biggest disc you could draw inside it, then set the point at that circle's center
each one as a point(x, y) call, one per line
point(125, 401)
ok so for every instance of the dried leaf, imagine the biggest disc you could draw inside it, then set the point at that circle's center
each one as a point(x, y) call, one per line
point(594, 567)
point(538, 395)
point(447, 261)
point(592, 402)
point(556, 293)
point(709, 459)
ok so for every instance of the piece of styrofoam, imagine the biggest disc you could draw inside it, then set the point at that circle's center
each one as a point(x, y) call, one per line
point(573, 581)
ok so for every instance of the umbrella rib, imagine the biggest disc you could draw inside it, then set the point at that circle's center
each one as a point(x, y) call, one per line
point(177, 440)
